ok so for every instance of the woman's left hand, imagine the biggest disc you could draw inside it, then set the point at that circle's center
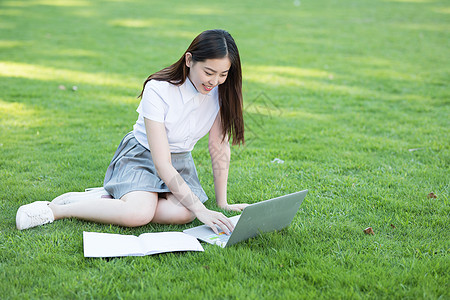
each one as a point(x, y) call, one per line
point(234, 207)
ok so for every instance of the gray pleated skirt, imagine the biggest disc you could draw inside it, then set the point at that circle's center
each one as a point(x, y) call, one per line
point(132, 169)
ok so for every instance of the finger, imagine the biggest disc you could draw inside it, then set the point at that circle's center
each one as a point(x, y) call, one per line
point(225, 221)
point(239, 208)
point(214, 228)
point(221, 221)
point(236, 208)
point(211, 225)
point(243, 206)
point(224, 228)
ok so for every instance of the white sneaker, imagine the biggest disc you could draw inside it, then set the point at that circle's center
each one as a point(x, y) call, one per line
point(34, 214)
point(72, 197)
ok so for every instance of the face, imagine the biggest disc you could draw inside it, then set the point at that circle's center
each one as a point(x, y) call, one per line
point(206, 75)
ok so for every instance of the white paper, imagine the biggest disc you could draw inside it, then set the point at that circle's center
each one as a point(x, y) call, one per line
point(113, 245)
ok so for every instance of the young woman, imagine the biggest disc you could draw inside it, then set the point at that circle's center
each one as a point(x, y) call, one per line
point(152, 176)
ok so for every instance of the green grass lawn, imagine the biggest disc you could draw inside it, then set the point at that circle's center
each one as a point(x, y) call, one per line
point(353, 95)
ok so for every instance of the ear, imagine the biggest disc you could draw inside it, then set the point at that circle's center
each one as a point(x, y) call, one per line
point(188, 58)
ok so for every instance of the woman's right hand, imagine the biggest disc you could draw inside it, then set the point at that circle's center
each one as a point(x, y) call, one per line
point(212, 218)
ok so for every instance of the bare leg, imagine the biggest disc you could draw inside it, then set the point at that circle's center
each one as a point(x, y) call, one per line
point(170, 211)
point(133, 209)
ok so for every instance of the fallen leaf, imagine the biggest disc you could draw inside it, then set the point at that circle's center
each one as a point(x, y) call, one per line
point(206, 267)
point(432, 195)
point(369, 230)
point(393, 226)
point(62, 87)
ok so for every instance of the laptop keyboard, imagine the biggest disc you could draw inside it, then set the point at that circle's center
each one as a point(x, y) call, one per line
point(220, 239)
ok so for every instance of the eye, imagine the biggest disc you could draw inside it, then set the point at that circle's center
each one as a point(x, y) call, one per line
point(223, 75)
point(209, 74)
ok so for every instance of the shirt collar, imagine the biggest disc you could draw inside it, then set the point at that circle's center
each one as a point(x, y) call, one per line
point(188, 91)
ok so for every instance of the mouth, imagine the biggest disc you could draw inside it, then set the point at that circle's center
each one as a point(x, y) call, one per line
point(207, 87)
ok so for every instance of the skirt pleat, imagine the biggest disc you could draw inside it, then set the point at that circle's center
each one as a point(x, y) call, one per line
point(132, 169)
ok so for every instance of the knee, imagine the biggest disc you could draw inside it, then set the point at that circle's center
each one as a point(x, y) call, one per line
point(181, 215)
point(135, 216)
point(184, 217)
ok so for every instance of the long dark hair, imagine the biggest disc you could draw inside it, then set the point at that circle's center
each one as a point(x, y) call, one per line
point(212, 44)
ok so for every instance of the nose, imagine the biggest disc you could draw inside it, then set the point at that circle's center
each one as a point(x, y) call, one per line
point(214, 81)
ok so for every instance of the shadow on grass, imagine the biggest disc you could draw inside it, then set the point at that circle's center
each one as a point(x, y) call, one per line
point(350, 86)
point(332, 89)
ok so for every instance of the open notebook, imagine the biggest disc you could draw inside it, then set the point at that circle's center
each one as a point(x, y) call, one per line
point(113, 245)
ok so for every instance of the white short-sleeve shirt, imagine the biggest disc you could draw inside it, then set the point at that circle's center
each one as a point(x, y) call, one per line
point(187, 114)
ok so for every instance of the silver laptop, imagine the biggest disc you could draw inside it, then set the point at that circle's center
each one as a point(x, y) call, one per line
point(265, 216)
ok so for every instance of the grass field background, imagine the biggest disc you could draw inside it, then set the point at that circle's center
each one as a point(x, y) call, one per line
point(352, 95)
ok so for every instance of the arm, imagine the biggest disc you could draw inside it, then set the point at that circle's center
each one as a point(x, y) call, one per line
point(159, 147)
point(219, 149)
